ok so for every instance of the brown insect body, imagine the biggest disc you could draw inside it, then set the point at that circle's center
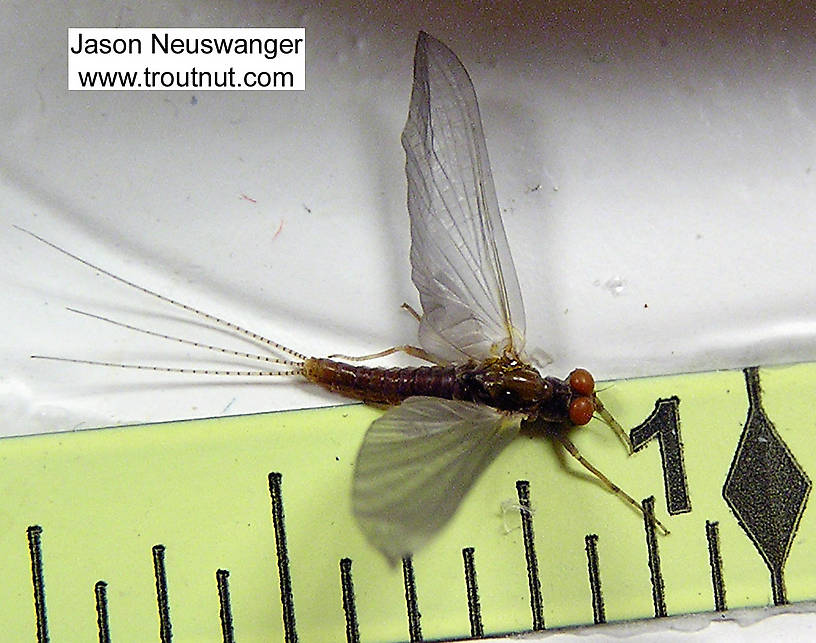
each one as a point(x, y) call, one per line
point(505, 384)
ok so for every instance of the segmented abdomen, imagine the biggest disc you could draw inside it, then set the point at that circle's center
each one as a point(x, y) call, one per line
point(382, 385)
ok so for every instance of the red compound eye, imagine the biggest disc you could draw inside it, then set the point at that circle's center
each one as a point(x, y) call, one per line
point(582, 382)
point(581, 410)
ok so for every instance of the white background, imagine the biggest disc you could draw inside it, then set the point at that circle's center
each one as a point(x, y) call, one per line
point(656, 171)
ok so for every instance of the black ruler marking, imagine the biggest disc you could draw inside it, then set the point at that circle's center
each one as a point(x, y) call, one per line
point(536, 602)
point(664, 424)
point(349, 604)
point(287, 599)
point(472, 589)
point(225, 611)
point(414, 627)
point(159, 571)
point(780, 593)
point(101, 600)
point(766, 488)
point(34, 533)
point(715, 560)
point(658, 588)
point(598, 610)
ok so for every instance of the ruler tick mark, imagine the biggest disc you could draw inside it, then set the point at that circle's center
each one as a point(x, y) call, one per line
point(165, 628)
point(101, 599)
point(598, 610)
point(658, 588)
point(414, 627)
point(472, 588)
point(536, 602)
point(278, 524)
point(34, 533)
point(225, 611)
point(349, 605)
point(715, 560)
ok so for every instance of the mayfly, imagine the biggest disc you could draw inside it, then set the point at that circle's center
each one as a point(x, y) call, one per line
point(444, 423)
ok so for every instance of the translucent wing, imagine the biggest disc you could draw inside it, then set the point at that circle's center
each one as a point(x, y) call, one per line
point(460, 259)
point(416, 464)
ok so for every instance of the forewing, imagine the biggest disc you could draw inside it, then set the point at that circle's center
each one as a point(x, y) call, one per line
point(461, 263)
point(416, 464)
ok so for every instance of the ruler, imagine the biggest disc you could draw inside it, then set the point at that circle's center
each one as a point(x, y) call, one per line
point(239, 528)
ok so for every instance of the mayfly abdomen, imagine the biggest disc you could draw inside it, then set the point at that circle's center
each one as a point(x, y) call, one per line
point(382, 385)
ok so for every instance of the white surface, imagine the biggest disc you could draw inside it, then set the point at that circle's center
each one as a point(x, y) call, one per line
point(772, 624)
point(657, 175)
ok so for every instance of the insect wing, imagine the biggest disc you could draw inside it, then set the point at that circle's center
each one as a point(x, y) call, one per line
point(416, 464)
point(461, 263)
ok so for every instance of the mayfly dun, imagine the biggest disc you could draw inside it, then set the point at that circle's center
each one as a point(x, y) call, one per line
point(447, 421)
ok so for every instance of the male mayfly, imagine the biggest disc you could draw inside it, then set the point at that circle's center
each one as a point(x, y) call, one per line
point(445, 422)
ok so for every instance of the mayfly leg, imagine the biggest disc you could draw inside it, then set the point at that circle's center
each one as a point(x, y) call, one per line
point(612, 423)
point(411, 311)
point(573, 451)
point(413, 351)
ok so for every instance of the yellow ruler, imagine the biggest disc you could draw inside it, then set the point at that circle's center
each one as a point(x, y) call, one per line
point(240, 528)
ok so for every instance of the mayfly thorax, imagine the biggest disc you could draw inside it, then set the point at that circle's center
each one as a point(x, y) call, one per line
point(447, 421)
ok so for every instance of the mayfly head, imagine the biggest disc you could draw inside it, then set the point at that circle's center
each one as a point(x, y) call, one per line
point(571, 402)
point(582, 405)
